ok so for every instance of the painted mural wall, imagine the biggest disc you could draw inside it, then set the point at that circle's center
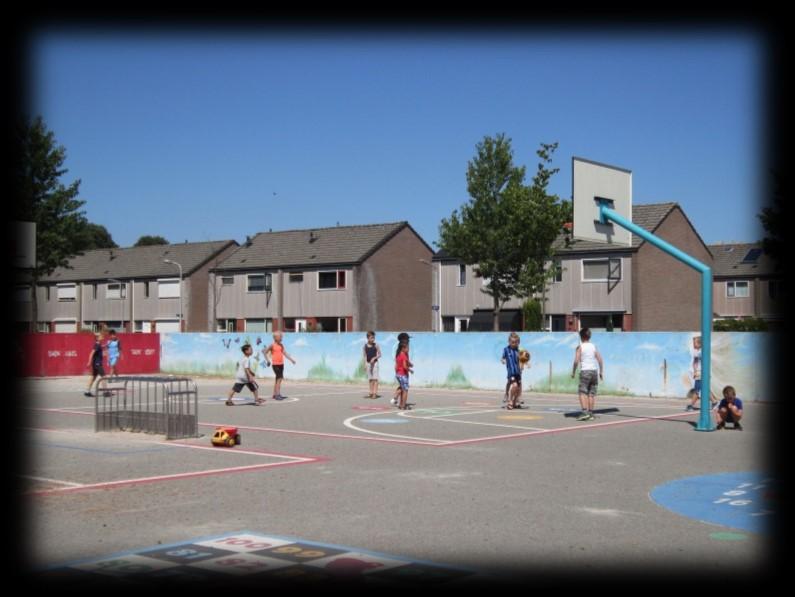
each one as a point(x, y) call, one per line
point(636, 363)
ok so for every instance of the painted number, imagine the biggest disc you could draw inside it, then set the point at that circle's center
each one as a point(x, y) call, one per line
point(299, 552)
point(245, 542)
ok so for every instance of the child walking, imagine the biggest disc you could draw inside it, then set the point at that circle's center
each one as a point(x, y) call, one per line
point(402, 369)
point(372, 353)
point(277, 356)
point(591, 371)
point(95, 362)
point(510, 358)
point(403, 338)
point(244, 377)
point(114, 352)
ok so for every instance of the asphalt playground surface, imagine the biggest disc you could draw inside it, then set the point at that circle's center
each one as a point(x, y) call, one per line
point(457, 482)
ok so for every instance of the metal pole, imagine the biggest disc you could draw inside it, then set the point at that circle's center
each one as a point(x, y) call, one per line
point(606, 214)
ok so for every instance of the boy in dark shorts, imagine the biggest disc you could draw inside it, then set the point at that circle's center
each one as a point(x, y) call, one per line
point(244, 377)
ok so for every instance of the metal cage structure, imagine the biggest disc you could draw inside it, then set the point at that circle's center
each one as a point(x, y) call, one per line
point(164, 405)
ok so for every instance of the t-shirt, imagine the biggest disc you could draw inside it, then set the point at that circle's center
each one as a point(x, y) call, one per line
point(511, 356)
point(242, 365)
point(737, 402)
point(402, 364)
point(277, 353)
point(371, 351)
point(96, 359)
point(696, 354)
point(114, 347)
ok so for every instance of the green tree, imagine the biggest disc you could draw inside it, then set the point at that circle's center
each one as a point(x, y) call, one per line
point(531, 309)
point(43, 199)
point(95, 236)
point(775, 224)
point(506, 230)
point(147, 241)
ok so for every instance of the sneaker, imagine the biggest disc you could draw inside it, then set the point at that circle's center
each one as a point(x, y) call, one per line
point(591, 417)
point(738, 427)
point(89, 394)
point(689, 407)
point(583, 416)
point(720, 426)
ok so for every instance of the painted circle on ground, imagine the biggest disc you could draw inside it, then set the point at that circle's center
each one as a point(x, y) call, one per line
point(478, 404)
point(384, 421)
point(728, 536)
point(747, 501)
point(372, 408)
point(519, 417)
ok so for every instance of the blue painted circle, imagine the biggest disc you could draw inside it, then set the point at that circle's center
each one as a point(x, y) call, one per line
point(747, 501)
point(385, 421)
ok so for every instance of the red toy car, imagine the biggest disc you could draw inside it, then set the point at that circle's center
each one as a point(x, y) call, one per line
point(226, 436)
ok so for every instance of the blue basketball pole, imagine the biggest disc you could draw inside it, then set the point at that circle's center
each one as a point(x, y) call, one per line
point(608, 215)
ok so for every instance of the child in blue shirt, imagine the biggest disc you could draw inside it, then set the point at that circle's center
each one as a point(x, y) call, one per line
point(510, 358)
point(730, 409)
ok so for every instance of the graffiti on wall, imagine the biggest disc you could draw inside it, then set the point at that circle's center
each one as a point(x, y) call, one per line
point(636, 363)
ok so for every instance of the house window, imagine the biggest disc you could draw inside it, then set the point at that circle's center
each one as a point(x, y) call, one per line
point(94, 287)
point(461, 324)
point(43, 327)
point(67, 292)
point(462, 275)
point(168, 288)
point(333, 280)
point(48, 292)
point(259, 283)
point(737, 289)
point(296, 277)
point(146, 289)
point(142, 326)
point(225, 325)
point(259, 325)
point(601, 270)
point(558, 268)
point(116, 291)
point(227, 280)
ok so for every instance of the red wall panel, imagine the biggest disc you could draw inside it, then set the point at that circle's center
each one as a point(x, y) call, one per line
point(51, 355)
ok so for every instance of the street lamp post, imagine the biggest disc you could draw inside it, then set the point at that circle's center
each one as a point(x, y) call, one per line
point(121, 301)
point(180, 290)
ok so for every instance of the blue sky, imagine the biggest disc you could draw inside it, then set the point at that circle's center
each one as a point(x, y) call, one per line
point(212, 135)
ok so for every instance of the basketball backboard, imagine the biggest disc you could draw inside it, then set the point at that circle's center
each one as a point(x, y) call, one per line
point(590, 180)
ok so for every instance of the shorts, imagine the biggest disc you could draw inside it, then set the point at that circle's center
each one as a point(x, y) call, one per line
point(589, 381)
point(403, 381)
point(697, 386)
point(515, 379)
point(372, 371)
point(240, 385)
point(278, 371)
point(113, 361)
point(97, 369)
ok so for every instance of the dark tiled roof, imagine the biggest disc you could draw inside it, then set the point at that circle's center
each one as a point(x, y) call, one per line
point(312, 246)
point(138, 262)
point(647, 217)
point(730, 257)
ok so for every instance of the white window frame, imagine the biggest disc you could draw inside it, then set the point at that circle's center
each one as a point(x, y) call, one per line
point(457, 323)
point(609, 260)
point(64, 296)
point(163, 283)
point(462, 275)
point(557, 266)
point(301, 325)
point(60, 321)
point(142, 326)
point(336, 273)
point(121, 289)
point(733, 285)
point(342, 324)
point(268, 283)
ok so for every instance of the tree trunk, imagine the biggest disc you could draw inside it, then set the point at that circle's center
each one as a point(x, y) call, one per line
point(496, 320)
